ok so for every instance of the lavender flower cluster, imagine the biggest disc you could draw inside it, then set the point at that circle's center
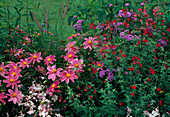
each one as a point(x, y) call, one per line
point(129, 37)
point(109, 72)
point(78, 25)
point(162, 42)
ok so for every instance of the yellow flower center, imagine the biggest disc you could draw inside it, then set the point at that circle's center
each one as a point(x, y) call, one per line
point(54, 70)
point(14, 95)
point(25, 63)
point(135, 16)
point(90, 42)
point(77, 65)
point(1, 69)
point(14, 73)
point(58, 86)
point(11, 80)
point(71, 46)
point(107, 46)
point(72, 35)
point(19, 52)
point(68, 75)
point(53, 85)
point(34, 56)
point(15, 67)
point(49, 59)
point(70, 55)
point(99, 65)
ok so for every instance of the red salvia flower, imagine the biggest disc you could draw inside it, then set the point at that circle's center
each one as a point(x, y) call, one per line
point(133, 68)
point(158, 89)
point(152, 71)
point(160, 102)
point(130, 69)
point(149, 79)
point(121, 104)
point(91, 96)
point(113, 52)
point(132, 94)
point(123, 55)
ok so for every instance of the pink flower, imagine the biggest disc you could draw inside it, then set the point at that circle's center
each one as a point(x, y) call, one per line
point(70, 56)
point(68, 75)
point(2, 96)
point(76, 64)
point(52, 71)
point(15, 96)
point(70, 46)
point(14, 73)
point(99, 64)
point(2, 69)
point(20, 51)
point(13, 66)
point(89, 43)
point(0, 82)
point(11, 81)
point(49, 59)
point(35, 57)
point(41, 70)
point(54, 85)
point(24, 63)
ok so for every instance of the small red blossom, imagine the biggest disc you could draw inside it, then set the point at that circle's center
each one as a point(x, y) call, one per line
point(130, 69)
point(114, 52)
point(132, 94)
point(160, 102)
point(152, 71)
point(91, 96)
point(121, 104)
point(94, 91)
point(123, 55)
point(158, 89)
point(149, 79)
point(133, 87)
point(89, 86)
point(85, 89)
point(133, 68)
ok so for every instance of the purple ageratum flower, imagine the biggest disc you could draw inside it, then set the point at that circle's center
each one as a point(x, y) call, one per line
point(110, 5)
point(80, 21)
point(128, 14)
point(119, 23)
point(142, 4)
point(102, 73)
point(100, 26)
point(110, 76)
point(162, 42)
point(129, 37)
point(126, 73)
point(127, 4)
point(79, 27)
point(75, 17)
point(120, 13)
point(122, 35)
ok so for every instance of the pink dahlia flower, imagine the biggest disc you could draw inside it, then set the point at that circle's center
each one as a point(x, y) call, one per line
point(49, 59)
point(35, 57)
point(70, 56)
point(70, 46)
point(68, 75)
point(11, 82)
point(2, 96)
point(89, 43)
point(76, 64)
point(54, 85)
point(99, 65)
point(24, 63)
point(15, 96)
point(52, 71)
point(14, 73)
point(20, 51)
point(3, 71)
